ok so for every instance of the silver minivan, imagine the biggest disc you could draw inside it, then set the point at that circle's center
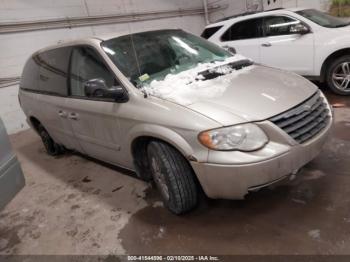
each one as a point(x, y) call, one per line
point(176, 109)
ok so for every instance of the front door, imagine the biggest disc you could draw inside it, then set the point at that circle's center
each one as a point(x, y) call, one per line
point(283, 49)
point(94, 120)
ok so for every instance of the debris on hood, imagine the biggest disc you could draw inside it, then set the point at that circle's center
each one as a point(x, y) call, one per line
point(205, 81)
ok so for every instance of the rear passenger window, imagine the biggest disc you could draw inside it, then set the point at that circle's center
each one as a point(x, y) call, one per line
point(53, 72)
point(244, 30)
point(278, 25)
point(87, 65)
point(209, 32)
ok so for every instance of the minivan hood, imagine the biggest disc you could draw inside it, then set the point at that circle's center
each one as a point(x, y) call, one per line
point(252, 93)
point(257, 95)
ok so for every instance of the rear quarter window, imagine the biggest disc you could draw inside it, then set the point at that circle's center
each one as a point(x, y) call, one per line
point(30, 74)
point(209, 32)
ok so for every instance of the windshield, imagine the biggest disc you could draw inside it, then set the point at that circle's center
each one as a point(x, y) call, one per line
point(323, 19)
point(149, 56)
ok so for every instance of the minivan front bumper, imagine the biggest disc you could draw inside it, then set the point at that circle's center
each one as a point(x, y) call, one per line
point(235, 181)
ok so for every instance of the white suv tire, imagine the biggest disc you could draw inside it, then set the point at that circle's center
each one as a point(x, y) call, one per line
point(338, 75)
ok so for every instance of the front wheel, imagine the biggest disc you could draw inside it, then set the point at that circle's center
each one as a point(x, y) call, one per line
point(173, 176)
point(338, 76)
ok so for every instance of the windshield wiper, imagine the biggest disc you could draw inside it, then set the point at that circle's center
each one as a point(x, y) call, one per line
point(215, 72)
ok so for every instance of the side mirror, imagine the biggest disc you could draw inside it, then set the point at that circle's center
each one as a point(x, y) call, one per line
point(300, 29)
point(230, 49)
point(97, 88)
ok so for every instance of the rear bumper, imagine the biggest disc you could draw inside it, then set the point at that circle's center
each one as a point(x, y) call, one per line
point(235, 181)
point(11, 181)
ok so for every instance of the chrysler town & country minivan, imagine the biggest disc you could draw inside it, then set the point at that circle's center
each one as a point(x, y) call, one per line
point(176, 109)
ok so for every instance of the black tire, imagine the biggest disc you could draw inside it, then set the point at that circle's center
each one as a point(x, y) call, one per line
point(176, 175)
point(332, 69)
point(52, 148)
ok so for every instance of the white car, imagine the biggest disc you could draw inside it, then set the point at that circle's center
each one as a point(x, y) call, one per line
point(305, 41)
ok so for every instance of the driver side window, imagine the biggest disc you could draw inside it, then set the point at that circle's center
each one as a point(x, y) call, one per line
point(279, 25)
point(86, 65)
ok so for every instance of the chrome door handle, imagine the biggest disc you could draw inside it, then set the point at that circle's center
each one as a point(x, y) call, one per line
point(73, 116)
point(266, 44)
point(62, 114)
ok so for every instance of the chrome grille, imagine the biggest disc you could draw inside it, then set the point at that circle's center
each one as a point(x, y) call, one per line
point(305, 121)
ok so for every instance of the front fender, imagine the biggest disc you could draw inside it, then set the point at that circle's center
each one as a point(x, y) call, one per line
point(162, 133)
point(325, 51)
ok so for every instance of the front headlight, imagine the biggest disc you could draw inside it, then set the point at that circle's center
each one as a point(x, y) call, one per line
point(246, 137)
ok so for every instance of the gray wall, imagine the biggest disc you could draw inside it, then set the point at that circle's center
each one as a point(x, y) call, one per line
point(19, 46)
point(239, 6)
point(318, 4)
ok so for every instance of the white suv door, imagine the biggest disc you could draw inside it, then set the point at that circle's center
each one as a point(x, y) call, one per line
point(281, 47)
point(245, 37)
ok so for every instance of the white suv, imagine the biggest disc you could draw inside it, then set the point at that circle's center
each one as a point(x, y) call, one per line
point(305, 41)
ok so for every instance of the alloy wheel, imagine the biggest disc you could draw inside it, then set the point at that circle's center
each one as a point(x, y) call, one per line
point(341, 77)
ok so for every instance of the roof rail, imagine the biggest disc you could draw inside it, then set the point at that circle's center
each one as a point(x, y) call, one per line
point(246, 13)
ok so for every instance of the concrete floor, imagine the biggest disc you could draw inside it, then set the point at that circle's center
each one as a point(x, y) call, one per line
point(72, 205)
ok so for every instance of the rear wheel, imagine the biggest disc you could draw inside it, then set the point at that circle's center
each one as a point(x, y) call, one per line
point(173, 176)
point(338, 76)
point(52, 148)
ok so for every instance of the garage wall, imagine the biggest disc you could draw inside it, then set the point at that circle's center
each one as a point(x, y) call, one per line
point(230, 8)
point(17, 47)
point(318, 4)
point(240, 6)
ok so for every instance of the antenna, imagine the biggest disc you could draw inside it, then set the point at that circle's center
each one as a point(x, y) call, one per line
point(132, 44)
point(135, 53)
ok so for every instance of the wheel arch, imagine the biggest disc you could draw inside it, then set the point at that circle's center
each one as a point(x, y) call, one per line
point(330, 58)
point(35, 122)
point(143, 135)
